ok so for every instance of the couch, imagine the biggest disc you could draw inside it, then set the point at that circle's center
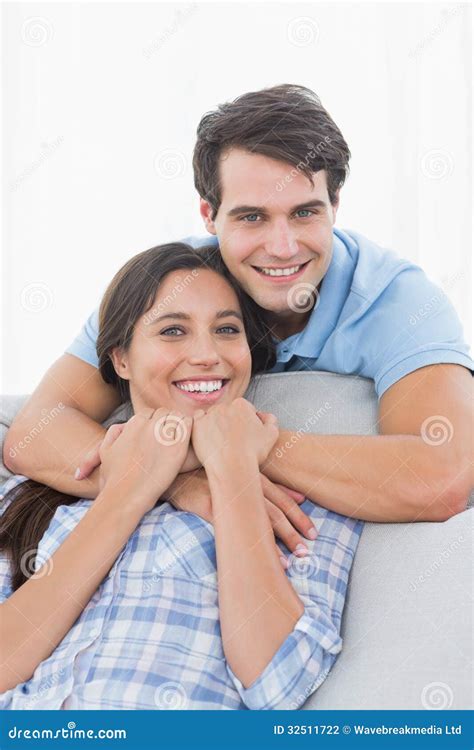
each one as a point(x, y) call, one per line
point(407, 623)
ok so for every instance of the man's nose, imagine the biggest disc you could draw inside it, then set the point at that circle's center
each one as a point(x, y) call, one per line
point(282, 243)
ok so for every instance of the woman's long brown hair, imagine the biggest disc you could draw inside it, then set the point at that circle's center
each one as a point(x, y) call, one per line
point(129, 295)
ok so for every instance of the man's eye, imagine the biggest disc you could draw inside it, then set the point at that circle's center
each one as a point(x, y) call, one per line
point(303, 213)
point(173, 331)
point(251, 218)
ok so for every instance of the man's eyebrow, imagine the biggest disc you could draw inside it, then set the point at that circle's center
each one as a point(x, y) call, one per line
point(185, 316)
point(316, 203)
point(245, 210)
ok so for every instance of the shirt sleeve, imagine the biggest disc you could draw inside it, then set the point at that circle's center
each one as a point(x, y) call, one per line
point(84, 345)
point(299, 666)
point(307, 655)
point(412, 324)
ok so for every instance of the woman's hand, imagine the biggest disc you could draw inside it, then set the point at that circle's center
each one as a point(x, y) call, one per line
point(233, 429)
point(92, 460)
point(143, 456)
point(191, 462)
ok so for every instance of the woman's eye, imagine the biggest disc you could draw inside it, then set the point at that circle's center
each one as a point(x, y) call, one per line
point(228, 329)
point(173, 331)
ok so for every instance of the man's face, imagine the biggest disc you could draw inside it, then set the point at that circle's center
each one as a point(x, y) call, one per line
point(272, 220)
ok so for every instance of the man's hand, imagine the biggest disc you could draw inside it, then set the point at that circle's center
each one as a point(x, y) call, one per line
point(190, 492)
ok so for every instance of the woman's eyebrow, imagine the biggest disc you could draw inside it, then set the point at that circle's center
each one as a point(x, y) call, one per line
point(228, 313)
point(185, 316)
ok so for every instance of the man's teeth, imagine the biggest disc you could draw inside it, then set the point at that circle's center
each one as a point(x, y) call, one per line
point(280, 271)
point(205, 386)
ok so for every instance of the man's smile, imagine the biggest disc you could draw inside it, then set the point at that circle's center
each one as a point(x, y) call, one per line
point(281, 274)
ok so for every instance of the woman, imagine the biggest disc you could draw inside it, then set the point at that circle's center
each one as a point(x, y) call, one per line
point(138, 605)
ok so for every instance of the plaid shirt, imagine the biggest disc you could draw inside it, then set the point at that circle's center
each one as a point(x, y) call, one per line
point(150, 638)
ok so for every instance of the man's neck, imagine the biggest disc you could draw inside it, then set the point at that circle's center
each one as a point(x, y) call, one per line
point(284, 325)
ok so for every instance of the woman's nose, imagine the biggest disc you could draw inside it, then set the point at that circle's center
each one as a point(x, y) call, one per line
point(203, 352)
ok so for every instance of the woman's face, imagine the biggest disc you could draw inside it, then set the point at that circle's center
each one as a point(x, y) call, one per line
point(189, 350)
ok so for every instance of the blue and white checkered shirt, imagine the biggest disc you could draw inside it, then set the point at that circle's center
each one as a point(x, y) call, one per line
point(150, 638)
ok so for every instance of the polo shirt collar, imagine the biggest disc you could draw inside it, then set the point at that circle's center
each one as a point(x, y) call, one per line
point(333, 294)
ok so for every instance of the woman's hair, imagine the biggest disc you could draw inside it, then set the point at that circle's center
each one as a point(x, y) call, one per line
point(130, 295)
point(287, 123)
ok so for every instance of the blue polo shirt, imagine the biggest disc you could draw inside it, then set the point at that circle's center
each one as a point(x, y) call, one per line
point(377, 315)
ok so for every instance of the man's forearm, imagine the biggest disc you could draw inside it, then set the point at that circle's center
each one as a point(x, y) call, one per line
point(373, 478)
point(51, 456)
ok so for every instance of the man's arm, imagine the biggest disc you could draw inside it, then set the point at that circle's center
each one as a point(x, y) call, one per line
point(75, 399)
point(420, 468)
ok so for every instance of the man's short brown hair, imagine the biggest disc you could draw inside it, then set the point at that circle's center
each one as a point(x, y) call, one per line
point(286, 122)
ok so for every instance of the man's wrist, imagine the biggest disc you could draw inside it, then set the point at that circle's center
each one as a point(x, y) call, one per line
point(191, 480)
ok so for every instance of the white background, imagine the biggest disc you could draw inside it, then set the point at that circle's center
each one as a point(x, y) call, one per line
point(100, 107)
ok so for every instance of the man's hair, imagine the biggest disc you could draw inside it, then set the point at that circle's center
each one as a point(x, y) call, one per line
point(286, 122)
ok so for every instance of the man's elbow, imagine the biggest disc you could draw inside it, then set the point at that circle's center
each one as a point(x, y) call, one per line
point(16, 456)
point(450, 495)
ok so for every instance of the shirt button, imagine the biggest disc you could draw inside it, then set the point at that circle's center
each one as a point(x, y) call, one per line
point(94, 632)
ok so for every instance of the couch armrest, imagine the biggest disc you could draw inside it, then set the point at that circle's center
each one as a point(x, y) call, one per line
point(407, 625)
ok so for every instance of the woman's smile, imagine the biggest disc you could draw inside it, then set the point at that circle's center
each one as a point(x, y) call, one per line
point(205, 389)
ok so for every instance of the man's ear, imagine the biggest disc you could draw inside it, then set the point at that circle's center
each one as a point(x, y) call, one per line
point(206, 211)
point(120, 362)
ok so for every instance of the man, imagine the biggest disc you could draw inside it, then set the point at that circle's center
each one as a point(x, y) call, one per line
point(269, 168)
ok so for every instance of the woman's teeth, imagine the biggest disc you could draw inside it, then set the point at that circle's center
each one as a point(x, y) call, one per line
point(280, 271)
point(204, 386)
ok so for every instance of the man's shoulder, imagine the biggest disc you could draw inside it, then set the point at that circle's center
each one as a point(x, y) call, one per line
point(198, 241)
point(375, 267)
